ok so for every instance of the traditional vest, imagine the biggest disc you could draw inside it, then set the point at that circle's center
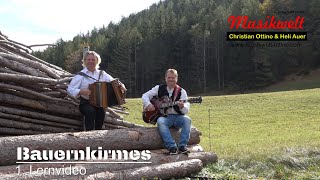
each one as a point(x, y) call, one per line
point(164, 92)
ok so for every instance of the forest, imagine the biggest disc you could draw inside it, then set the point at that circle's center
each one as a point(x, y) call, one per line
point(190, 36)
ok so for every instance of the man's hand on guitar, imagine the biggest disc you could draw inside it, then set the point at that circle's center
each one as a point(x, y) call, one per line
point(85, 92)
point(150, 107)
point(180, 104)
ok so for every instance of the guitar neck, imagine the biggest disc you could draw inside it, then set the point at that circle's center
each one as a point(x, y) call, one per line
point(165, 105)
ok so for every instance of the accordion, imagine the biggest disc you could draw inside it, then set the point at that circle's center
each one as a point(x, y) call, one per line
point(106, 94)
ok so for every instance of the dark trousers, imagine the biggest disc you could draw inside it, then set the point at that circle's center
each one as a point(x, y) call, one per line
point(93, 116)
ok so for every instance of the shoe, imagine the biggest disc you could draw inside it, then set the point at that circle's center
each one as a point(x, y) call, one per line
point(183, 150)
point(173, 151)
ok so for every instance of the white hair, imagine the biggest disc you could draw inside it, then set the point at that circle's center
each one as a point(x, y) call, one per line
point(96, 55)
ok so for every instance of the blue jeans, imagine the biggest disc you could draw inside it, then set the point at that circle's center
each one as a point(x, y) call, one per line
point(177, 121)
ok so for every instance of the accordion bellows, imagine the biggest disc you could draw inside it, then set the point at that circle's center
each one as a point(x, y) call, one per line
point(106, 94)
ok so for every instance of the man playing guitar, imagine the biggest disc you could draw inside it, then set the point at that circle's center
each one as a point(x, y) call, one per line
point(175, 115)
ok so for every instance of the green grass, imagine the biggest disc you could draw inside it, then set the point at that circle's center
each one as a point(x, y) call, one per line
point(293, 85)
point(255, 128)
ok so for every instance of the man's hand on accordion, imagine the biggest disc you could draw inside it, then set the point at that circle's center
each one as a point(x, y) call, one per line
point(85, 92)
point(123, 88)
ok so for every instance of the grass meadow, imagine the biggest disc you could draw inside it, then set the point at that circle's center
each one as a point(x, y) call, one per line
point(272, 135)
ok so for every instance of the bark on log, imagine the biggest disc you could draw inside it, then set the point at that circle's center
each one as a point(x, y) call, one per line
point(156, 159)
point(37, 115)
point(29, 126)
point(14, 131)
point(63, 108)
point(39, 95)
point(111, 126)
point(17, 93)
point(119, 122)
point(38, 121)
point(17, 46)
point(114, 114)
point(21, 67)
point(7, 70)
point(159, 156)
point(34, 64)
point(64, 80)
point(18, 43)
point(23, 79)
point(52, 93)
point(164, 171)
point(119, 111)
point(133, 138)
point(5, 50)
point(57, 69)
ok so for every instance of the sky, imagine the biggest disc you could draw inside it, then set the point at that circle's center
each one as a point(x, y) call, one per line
point(46, 21)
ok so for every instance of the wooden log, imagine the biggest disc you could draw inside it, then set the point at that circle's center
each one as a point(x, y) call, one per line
point(35, 45)
point(50, 106)
point(43, 116)
point(55, 68)
point(11, 48)
point(61, 86)
point(67, 75)
point(52, 93)
point(15, 45)
point(111, 126)
point(157, 157)
point(36, 94)
point(18, 43)
point(5, 50)
point(3, 37)
point(112, 120)
point(14, 131)
point(16, 93)
point(38, 121)
point(64, 80)
point(10, 71)
point(29, 126)
point(131, 138)
point(17, 52)
point(44, 68)
point(21, 67)
point(119, 111)
point(164, 171)
point(24, 79)
point(114, 114)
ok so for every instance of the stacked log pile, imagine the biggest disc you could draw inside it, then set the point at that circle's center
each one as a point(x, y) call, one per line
point(33, 95)
point(36, 112)
point(161, 164)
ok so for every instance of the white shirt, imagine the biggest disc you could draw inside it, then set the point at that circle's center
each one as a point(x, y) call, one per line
point(81, 82)
point(146, 97)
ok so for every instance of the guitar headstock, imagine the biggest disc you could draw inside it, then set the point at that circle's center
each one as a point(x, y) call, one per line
point(195, 100)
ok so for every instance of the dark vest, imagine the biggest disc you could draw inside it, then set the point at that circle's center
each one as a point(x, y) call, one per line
point(164, 92)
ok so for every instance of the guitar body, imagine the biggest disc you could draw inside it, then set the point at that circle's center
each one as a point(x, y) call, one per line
point(161, 105)
point(152, 116)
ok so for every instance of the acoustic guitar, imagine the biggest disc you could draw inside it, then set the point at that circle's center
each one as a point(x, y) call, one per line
point(161, 105)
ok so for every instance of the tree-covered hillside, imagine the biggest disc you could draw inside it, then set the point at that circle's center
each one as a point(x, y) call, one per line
point(190, 35)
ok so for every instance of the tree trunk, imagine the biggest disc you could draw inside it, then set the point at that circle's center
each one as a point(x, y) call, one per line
point(62, 109)
point(14, 131)
point(21, 68)
point(133, 138)
point(169, 170)
point(157, 157)
point(29, 126)
point(37, 121)
point(163, 171)
point(43, 116)
point(25, 79)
